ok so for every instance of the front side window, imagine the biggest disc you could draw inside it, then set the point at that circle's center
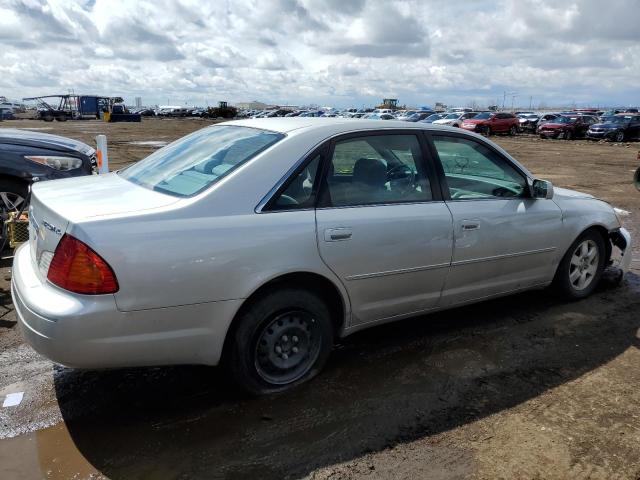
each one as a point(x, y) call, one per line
point(377, 169)
point(195, 162)
point(474, 171)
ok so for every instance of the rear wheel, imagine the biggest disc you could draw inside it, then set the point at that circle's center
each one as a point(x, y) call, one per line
point(568, 135)
point(581, 267)
point(282, 339)
point(513, 130)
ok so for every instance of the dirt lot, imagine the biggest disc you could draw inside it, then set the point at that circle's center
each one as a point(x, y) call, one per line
point(522, 387)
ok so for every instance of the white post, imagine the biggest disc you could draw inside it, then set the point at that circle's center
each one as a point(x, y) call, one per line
point(101, 154)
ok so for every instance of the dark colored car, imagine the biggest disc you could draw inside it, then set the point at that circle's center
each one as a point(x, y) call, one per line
point(433, 117)
point(616, 128)
point(568, 127)
point(6, 114)
point(488, 123)
point(26, 157)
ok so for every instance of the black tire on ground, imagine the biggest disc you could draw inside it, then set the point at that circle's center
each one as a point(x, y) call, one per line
point(61, 118)
point(487, 131)
point(513, 130)
point(47, 118)
point(579, 263)
point(282, 339)
point(568, 135)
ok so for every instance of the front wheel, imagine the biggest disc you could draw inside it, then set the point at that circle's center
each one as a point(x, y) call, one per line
point(282, 339)
point(581, 267)
point(619, 136)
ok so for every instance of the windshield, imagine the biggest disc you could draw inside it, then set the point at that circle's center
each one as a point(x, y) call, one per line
point(452, 116)
point(483, 116)
point(617, 119)
point(193, 163)
point(435, 116)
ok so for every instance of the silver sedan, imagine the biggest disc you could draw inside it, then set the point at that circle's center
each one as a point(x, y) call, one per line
point(257, 243)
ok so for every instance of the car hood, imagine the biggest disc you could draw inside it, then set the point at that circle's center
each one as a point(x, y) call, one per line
point(442, 120)
point(83, 198)
point(565, 193)
point(14, 136)
point(608, 125)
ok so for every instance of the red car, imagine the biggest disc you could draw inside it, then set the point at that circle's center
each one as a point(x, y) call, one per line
point(492, 122)
point(567, 126)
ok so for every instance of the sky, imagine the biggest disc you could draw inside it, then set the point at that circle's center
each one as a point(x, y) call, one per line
point(327, 52)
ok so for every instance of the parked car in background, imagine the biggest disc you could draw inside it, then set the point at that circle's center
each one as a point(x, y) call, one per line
point(545, 118)
point(26, 157)
point(268, 267)
point(527, 122)
point(432, 118)
point(617, 128)
point(567, 127)
point(455, 119)
point(6, 113)
point(488, 123)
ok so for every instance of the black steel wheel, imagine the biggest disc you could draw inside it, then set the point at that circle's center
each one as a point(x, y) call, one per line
point(279, 340)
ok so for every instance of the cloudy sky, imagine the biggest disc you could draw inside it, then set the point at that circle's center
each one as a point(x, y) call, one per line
point(329, 52)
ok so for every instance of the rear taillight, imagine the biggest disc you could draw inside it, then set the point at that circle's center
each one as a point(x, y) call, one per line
point(77, 268)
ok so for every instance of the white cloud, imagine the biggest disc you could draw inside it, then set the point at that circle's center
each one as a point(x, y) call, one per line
point(323, 51)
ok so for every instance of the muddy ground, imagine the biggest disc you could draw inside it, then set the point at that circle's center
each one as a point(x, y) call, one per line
point(522, 387)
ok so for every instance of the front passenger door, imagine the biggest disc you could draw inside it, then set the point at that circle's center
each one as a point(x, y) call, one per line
point(504, 240)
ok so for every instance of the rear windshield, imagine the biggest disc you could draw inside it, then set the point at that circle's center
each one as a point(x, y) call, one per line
point(193, 163)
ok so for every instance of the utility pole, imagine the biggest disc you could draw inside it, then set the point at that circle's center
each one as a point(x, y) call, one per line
point(530, 102)
point(504, 97)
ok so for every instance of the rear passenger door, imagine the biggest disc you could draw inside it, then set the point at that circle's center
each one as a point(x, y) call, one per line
point(382, 226)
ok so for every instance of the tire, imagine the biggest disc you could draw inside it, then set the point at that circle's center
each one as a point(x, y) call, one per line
point(61, 118)
point(619, 136)
point(513, 130)
point(47, 118)
point(568, 135)
point(487, 131)
point(282, 339)
point(579, 271)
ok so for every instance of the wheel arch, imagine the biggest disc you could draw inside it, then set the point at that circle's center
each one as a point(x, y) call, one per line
point(337, 302)
point(602, 230)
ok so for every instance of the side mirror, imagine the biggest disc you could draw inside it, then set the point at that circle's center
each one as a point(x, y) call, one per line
point(636, 179)
point(542, 189)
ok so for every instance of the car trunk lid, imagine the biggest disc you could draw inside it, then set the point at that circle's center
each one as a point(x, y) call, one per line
point(56, 205)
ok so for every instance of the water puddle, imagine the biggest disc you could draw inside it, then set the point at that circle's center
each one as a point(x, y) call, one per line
point(48, 453)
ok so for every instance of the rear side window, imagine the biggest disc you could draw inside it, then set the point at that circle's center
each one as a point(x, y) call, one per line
point(377, 169)
point(195, 162)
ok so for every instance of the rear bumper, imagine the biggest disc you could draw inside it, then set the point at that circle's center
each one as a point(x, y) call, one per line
point(85, 331)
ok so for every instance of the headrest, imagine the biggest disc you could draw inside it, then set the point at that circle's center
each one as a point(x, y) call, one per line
point(370, 171)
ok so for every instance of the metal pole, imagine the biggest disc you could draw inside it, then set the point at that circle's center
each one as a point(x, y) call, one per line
point(101, 154)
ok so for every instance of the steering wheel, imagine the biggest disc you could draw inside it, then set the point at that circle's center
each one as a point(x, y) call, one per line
point(401, 176)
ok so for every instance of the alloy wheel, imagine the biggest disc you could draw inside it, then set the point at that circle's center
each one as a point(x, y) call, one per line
point(584, 265)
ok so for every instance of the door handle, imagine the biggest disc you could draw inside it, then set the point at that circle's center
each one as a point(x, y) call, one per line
point(470, 225)
point(337, 234)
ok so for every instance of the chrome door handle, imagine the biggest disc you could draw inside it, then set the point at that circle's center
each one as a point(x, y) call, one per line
point(337, 234)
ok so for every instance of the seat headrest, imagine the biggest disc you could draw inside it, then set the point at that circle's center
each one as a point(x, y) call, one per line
point(370, 171)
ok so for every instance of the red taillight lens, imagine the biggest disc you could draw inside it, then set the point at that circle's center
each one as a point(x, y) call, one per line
point(77, 268)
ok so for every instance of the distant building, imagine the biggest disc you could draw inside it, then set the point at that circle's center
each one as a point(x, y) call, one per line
point(138, 102)
point(255, 105)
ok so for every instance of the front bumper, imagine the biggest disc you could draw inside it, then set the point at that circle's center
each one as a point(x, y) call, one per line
point(551, 133)
point(88, 331)
point(622, 239)
point(599, 135)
